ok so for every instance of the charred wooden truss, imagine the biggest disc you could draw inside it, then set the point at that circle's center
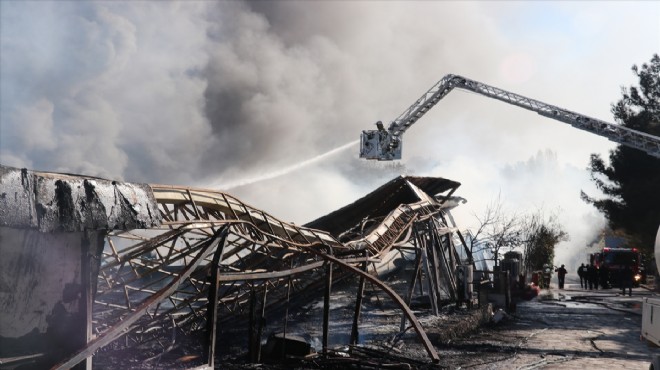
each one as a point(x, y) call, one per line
point(214, 260)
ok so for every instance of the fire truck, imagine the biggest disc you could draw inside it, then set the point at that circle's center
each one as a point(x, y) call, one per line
point(612, 262)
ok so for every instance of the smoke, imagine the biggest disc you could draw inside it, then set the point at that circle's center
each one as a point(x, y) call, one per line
point(542, 183)
point(539, 184)
point(94, 88)
point(243, 93)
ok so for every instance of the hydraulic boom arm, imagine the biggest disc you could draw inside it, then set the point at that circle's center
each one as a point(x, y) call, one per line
point(385, 144)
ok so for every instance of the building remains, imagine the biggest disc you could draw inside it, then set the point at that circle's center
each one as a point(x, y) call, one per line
point(137, 274)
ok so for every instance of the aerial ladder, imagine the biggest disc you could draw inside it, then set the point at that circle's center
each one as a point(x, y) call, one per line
point(385, 144)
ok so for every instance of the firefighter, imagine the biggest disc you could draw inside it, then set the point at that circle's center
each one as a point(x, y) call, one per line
point(627, 280)
point(547, 275)
point(592, 276)
point(582, 273)
point(561, 275)
point(604, 274)
point(592, 271)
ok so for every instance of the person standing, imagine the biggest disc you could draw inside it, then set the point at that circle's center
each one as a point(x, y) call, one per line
point(547, 275)
point(590, 273)
point(582, 273)
point(604, 274)
point(561, 275)
point(594, 277)
point(626, 280)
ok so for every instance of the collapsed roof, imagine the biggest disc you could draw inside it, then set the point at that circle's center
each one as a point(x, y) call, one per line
point(380, 202)
point(175, 246)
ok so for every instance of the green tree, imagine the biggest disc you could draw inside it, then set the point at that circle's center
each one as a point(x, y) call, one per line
point(630, 182)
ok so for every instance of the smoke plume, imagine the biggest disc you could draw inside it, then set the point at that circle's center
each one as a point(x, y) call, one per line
point(199, 93)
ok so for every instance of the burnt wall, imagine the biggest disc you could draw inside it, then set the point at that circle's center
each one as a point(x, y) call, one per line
point(59, 202)
point(45, 288)
point(52, 230)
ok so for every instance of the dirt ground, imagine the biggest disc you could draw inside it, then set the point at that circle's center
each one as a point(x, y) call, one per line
point(561, 329)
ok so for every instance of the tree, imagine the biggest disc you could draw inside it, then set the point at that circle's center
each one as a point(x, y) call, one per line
point(541, 234)
point(535, 232)
point(497, 230)
point(630, 182)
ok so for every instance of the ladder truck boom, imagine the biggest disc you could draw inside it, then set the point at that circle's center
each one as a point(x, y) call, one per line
point(385, 144)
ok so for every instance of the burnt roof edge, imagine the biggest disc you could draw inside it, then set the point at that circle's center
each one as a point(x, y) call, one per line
point(56, 202)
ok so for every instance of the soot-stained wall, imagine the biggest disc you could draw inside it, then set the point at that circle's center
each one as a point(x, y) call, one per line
point(52, 229)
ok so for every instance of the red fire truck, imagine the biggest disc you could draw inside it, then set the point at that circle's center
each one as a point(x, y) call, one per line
point(611, 262)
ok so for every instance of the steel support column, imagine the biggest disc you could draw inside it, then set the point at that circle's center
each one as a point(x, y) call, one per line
point(125, 323)
point(358, 302)
point(411, 287)
point(326, 306)
point(257, 311)
point(212, 306)
point(395, 297)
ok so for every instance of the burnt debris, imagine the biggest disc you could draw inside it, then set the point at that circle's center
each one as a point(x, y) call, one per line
point(196, 274)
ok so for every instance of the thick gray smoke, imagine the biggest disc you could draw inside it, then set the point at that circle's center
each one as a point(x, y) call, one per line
point(200, 93)
point(104, 88)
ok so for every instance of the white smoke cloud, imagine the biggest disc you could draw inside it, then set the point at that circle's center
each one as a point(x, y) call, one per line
point(538, 184)
point(198, 92)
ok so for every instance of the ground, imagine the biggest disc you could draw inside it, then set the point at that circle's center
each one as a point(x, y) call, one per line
point(570, 328)
point(567, 329)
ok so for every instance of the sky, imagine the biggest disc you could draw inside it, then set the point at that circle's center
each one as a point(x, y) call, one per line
point(266, 99)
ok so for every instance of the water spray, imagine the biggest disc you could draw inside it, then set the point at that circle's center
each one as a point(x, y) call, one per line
point(285, 170)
